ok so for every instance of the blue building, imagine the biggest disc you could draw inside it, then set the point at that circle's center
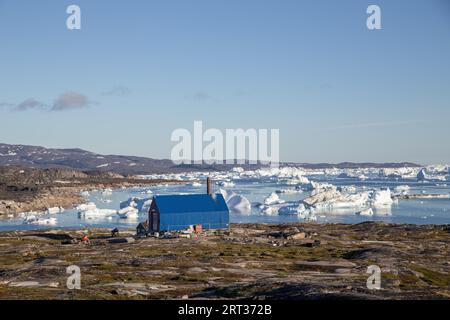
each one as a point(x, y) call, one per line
point(178, 212)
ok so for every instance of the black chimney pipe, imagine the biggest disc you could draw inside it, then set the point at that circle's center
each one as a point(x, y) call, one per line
point(209, 186)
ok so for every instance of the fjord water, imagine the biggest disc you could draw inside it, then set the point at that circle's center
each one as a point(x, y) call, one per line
point(420, 211)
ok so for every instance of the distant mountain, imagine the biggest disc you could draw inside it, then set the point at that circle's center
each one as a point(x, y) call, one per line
point(78, 159)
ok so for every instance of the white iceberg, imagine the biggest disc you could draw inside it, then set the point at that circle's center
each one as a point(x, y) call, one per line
point(141, 204)
point(226, 184)
point(402, 189)
point(289, 191)
point(347, 189)
point(96, 213)
point(333, 199)
point(86, 207)
point(128, 213)
point(54, 210)
point(107, 192)
point(272, 199)
point(381, 198)
point(235, 202)
point(365, 212)
point(32, 219)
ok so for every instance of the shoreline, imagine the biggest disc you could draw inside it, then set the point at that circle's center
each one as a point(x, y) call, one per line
point(25, 196)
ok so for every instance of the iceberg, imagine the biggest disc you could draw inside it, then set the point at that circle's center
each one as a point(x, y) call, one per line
point(333, 199)
point(90, 211)
point(107, 192)
point(432, 173)
point(128, 213)
point(289, 191)
point(141, 204)
point(402, 190)
point(381, 198)
point(273, 199)
point(226, 184)
point(40, 221)
point(347, 189)
point(318, 187)
point(239, 203)
point(235, 202)
point(269, 210)
point(96, 213)
point(365, 212)
point(422, 175)
point(54, 210)
point(86, 207)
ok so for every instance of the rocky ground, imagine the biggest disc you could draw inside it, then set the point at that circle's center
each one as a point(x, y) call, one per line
point(31, 189)
point(257, 261)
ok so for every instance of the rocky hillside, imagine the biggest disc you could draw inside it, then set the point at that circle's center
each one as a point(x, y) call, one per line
point(82, 160)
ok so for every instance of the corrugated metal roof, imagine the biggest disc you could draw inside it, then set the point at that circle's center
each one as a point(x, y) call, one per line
point(190, 203)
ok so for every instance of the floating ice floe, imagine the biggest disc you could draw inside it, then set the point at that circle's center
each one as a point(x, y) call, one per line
point(86, 206)
point(347, 189)
point(330, 198)
point(318, 187)
point(381, 198)
point(402, 190)
point(399, 173)
point(107, 192)
point(298, 180)
point(32, 219)
point(85, 194)
point(365, 212)
point(299, 210)
point(90, 211)
point(273, 199)
point(141, 204)
point(226, 184)
point(54, 210)
point(289, 191)
point(128, 213)
point(438, 173)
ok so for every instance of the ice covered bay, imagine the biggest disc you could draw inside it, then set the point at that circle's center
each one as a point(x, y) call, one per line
point(273, 196)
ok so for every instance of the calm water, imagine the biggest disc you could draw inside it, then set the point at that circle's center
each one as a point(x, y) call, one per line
point(432, 211)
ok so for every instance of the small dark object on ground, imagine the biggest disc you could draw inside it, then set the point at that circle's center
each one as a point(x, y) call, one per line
point(115, 233)
point(313, 244)
point(121, 240)
point(72, 241)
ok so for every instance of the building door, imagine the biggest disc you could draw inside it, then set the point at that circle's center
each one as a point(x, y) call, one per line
point(154, 221)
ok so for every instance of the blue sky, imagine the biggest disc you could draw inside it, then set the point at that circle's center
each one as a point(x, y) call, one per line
point(140, 69)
